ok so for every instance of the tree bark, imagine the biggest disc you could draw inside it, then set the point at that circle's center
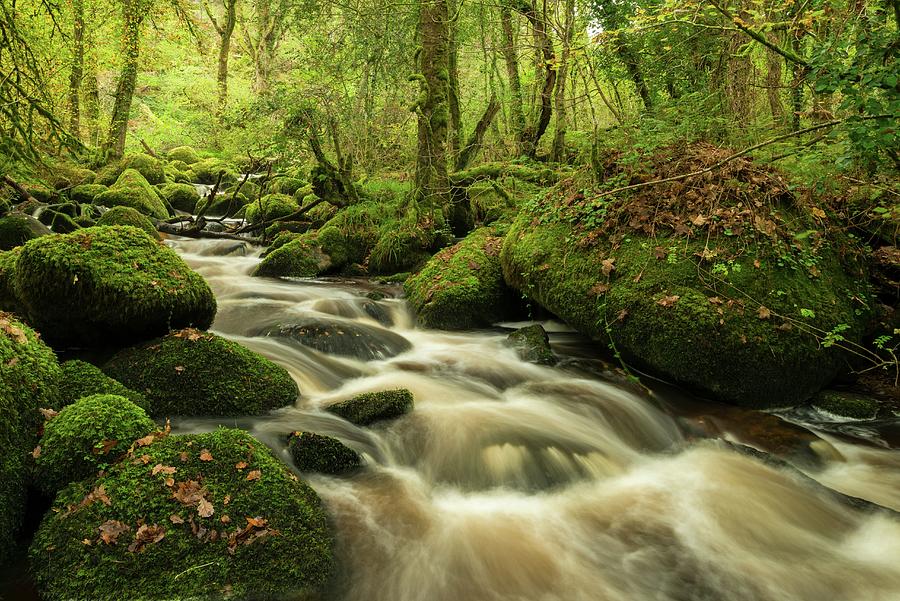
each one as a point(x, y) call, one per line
point(133, 12)
point(225, 31)
point(535, 131)
point(510, 57)
point(773, 86)
point(630, 60)
point(453, 83)
point(77, 72)
point(558, 150)
point(477, 138)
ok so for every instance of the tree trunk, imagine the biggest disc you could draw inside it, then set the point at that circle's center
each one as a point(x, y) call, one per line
point(432, 182)
point(77, 72)
point(453, 71)
point(476, 140)
point(133, 12)
point(225, 32)
point(535, 131)
point(630, 60)
point(558, 149)
point(510, 57)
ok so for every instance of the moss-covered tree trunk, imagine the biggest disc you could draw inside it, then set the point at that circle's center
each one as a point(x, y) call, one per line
point(453, 82)
point(225, 29)
point(511, 58)
point(432, 106)
point(533, 133)
point(133, 12)
point(557, 152)
point(77, 71)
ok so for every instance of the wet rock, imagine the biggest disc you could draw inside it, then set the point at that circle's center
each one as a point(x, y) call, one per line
point(532, 344)
point(296, 258)
point(17, 228)
point(349, 339)
point(846, 404)
point(183, 197)
point(370, 407)
point(378, 313)
point(318, 453)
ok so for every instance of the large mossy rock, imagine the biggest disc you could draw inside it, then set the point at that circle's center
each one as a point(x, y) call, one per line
point(299, 258)
point(183, 197)
point(323, 454)
point(190, 372)
point(150, 168)
point(131, 189)
point(370, 407)
point(16, 229)
point(86, 193)
point(81, 379)
point(29, 375)
point(341, 337)
point(185, 154)
point(271, 206)
point(128, 216)
point(207, 172)
point(218, 508)
point(8, 300)
point(86, 436)
point(462, 286)
point(106, 285)
point(721, 316)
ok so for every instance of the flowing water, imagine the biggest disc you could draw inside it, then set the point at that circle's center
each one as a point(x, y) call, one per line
point(511, 481)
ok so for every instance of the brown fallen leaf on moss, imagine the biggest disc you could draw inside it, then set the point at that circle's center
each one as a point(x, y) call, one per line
point(145, 441)
point(48, 413)
point(254, 475)
point(146, 535)
point(36, 452)
point(205, 455)
point(764, 312)
point(111, 530)
point(668, 301)
point(176, 519)
point(241, 465)
point(188, 493)
point(205, 508)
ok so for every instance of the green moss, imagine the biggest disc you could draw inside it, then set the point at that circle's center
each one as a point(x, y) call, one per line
point(28, 382)
point(179, 166)
point(128, 216)
point(86, 193)
point(81, 379)
point(248, 189)
point(462, 286)
point(85, 437)
point(207, 172)
point(286, 185)
point(846, 404)
point(370, 407)
point(185, 154)
point(58, 221)
point(183, 197)
point(282, 238)
point(104, 285)
point(132, 190)
point(224, 204)
point(317, 453)
point(722, 348)
point(17, 229)
point(151, 169)
point(275, 543)
point(8, 300)
point(271, 206)
point(189, 372)
point(298, 258)
point(42, 193)
point(399, 249)
point(532, 344)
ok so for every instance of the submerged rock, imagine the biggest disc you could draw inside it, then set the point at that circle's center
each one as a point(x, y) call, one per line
point(16, 229)
point(532, 344)
point(318, 453)
point(846, 404)
point(370, 407)
point(106, 285)
point(190, 372)
point(218, 507)
point(81, 379)
point(350, 339)
point(90, 433)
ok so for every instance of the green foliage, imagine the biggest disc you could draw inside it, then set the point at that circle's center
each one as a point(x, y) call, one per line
point(81, 379)
point(370, 407)
point(128, 216)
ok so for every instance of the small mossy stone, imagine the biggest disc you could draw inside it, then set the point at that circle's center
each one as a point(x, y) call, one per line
point(323, 454)
point(81, 379)
point(295, 258)
point(101, 286)
point(532, 344)
point(271, 206)
point(87, 435)
point(189, 372)
point(846, 404)
point(149, 167)
point(370, 407)
point(286, 185)
point(128, 216)
point(207, 171)
point(185, 154)
point(265, 533)
point(16, 229)
point(86, 193)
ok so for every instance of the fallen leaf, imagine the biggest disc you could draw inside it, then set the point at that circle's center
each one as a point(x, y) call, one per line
point(205, 508)
point(715, 300)
point(599, 289)
point(817, 212)
point(225, 519)
point(188, 493)
point(179, 369)
point(176, 519)
point(660, 253)
point(111, 530)
point(146, 535)
point(160, 468)
point(756, 263)
point(205, 455)
point(105, 447)
point(254, 475)
point(608, 266)
point(145, 441)
point(764, 312)
point(36, 452)
point(226, 500)
point(699, 220)
point(48, 413)
point(668, 301)
point(241, 465)
point(184, 456)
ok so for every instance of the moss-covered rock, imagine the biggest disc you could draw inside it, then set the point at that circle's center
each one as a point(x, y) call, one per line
point(271, 206)
point(105, 285)
point(223, 205)
point(16, 229)
point(42, 193)
point(318, 453)
point(846, 404)
point(81, 379)
point(28, 382)
point(370, 407)
point(150, 168)
point(86, 436)
point(190, 372)
point(86, 193)
point(218, 508)
point(128, 216)
point(58, 221)
point(207, 172)
point(297, 258)
point(721, 316)
point(286, 185)
point(177, 165)
point(399, 249)
point(247, 188)
point(532, 344)
point(183, 197)
point(132, 190)
point(8, 300)
point(185, 154)
point(462, 286)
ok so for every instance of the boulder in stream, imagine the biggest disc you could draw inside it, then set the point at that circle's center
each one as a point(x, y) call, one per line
point(132, 190)
point(189, 372)
point(183, 197)
point(532, 344)
point(17, 228)
point(846, 404)
point(102, 286)
point(218, 508)
point(323, 454)
point(369, 407)
point(347, 338)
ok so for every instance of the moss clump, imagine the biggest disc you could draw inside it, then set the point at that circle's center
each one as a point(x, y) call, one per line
point(17, 229)
point(151, 169)
point(132, 190)
point(846, 404)
point(86, 193)
point(28, 382)
point(733, 325)
point(8, 300)
point(207, 172)
point(462, 286)
point(248, 189)
point(317, 453)
point(532, 344)
point(218, 507)
point(183, 197)
point(298, 258)
point(81, 379)
point(271, 206)
point(179, 166)
point(58, 221)
point(223, 205)
point(286, 185)
point(104, 285)
point(185, 154)
point(190, 372)
point(86, 436)
point(370, 407)
point(128, 216)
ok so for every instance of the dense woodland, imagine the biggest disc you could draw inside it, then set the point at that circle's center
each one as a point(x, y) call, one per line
point(705, 189)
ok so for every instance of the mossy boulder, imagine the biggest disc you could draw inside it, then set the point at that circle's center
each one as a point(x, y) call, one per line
point(223, 205)
point(247, 188)
point(150, 168)
point(183, 197)
point(286, 185)
point(725, 317)
point(107, 285)
point(190, 372)
point(86, 193)
point(323, 454)
point(58, 221)
point(16, 229)
point(462, 286)
point(185, 154)
point(271, 206)
point(370, 407)
point(8, 300)
point(300, 257)
point(81, 379)
point(532, 344)
point(179, 166)
point(399, 249)
point(132, 190)
point(846, 404)
point(128, 216)
point(216, 507)
point(207, 172)
point(28, 382)
point(86, 436)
